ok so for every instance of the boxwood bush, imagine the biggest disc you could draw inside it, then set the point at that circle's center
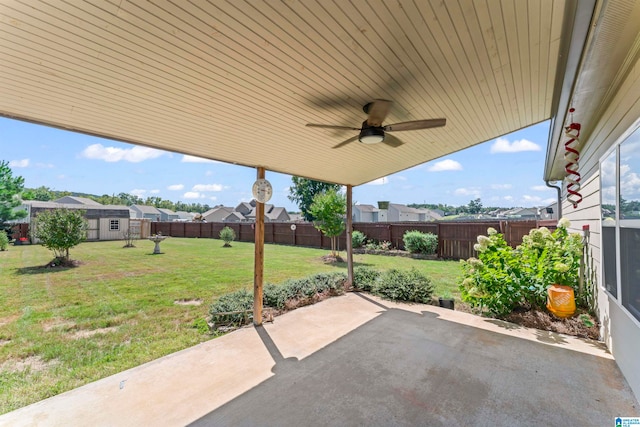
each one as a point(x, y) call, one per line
point(364, 278)
point(404, 285)
point(358, 239)
point(417, 242)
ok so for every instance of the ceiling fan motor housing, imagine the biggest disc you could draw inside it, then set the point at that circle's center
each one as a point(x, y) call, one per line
point(371, 134)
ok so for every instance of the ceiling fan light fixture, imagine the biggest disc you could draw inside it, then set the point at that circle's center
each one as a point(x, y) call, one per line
point(371, 135)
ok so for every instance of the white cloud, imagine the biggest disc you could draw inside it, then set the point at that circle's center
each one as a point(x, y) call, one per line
point(508, 198)
point(138, 192)
point(154, 191)
point(135, 154)
point(175, 187)
point(502, 145)
point(532, 199)
point(379, 181)
point(445, 165)
point(208, 187)
point(208, 173)
point(501, 186)
point(473, 192)
point(192, 195)
point(193, 159)
point(541, 188)
point(19, 163)
point(214, 198)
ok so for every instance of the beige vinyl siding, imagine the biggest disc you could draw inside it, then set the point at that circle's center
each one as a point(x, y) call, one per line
point(619, 329)
point(105, 228)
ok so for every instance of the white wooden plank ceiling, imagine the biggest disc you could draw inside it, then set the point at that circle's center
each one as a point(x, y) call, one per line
point(237, 81)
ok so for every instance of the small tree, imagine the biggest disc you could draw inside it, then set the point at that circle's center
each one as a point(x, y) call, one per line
point(129, 236)
point(60, 230)
point(329, 209)
point(228, 235)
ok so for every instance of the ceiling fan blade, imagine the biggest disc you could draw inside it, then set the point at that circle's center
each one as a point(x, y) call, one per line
point(313, 125)
point(377, 112)
point(416, 124)
point(343, 143)
point(392, 141)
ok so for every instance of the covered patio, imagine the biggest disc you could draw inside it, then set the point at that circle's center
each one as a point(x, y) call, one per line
point(238, 82)
point(359, 360)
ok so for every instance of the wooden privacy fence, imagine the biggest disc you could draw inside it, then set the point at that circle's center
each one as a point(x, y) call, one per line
point(455, 239)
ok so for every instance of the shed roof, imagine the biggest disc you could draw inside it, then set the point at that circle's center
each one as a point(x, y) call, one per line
point(237, 82)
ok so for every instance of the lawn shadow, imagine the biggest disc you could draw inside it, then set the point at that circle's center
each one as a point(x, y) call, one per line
point(41, 269)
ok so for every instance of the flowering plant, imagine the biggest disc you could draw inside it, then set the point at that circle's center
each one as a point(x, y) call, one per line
point(502, 278)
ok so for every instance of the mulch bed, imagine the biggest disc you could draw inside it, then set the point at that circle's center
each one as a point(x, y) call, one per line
point(581, 325)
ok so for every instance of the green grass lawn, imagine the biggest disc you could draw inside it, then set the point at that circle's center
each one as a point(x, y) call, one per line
point(64, 327)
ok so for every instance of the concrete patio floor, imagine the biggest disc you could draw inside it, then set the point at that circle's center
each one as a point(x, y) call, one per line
point(358, 360)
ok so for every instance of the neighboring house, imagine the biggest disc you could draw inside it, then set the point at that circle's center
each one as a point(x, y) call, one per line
point(185, 216)
point(106, 222)
point(365, 213)
point(217, 214)
point(522, 213)
point(401, 213)
point(606, 98)
point(234, 217)
point(251, 216)
point(549, 212)
point(277, 214)
point(245, 208)
point(168, 215)
point(146, 212)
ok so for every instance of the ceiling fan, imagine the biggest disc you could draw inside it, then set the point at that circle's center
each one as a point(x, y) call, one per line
point(372, 131)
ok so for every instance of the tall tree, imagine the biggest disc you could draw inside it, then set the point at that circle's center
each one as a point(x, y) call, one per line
point(475, 206)
point(328, 210)
point(10, 189)
point(303, 191)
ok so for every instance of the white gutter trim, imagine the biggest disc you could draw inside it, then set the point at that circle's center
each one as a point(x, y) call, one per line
point(579, 20)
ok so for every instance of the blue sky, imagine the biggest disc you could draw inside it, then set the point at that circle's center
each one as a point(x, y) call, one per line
point(505, 172)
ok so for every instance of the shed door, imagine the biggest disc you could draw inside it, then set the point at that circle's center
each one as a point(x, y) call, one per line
point(93, 232)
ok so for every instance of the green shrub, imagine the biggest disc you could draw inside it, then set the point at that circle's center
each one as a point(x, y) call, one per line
point(228, 235)
point(358, 238)
point(275, 296)
point(411, 285)
point(364, 278)
point(4, 240)
point(236, 301)
point(417, 242)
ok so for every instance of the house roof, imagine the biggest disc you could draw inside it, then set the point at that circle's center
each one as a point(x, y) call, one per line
point(167, 211)
point(366, 208)
point(238, 84)
point(234, 215)
point(216, 209)
point(146, 209)
point(79, 200)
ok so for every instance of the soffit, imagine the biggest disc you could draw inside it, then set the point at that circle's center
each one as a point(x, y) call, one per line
point(613, 49)
point(238, 81)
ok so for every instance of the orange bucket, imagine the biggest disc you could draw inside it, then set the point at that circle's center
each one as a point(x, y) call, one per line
point(561, 301)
